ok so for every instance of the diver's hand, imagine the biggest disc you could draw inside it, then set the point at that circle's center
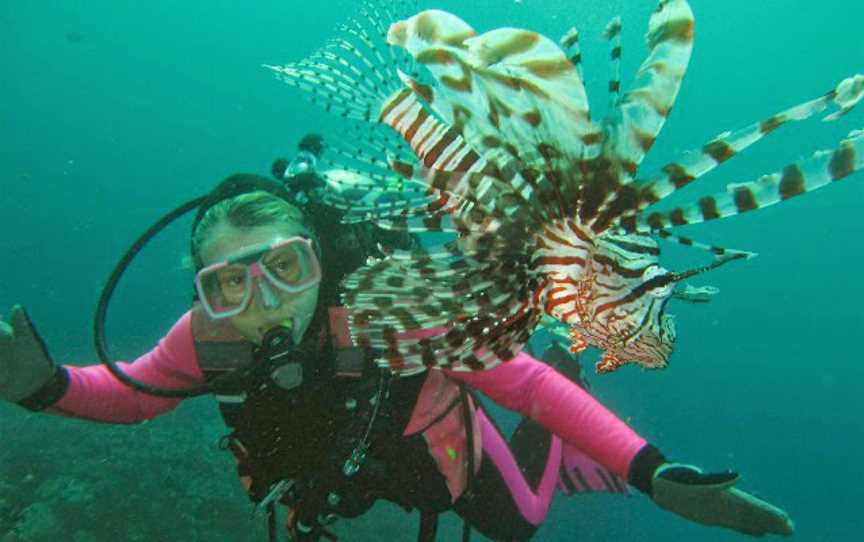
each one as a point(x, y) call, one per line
point(712, 499)
point(25, 365)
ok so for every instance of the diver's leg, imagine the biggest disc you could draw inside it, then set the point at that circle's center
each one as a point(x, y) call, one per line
point(502, 502)
point(489, 507)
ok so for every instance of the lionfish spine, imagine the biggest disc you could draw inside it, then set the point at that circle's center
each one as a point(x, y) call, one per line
point(823, 168)
point(635, 123)
point(438, 146)
point(570, 43)
point(632, 125)
point(695, 164)
point(613, 35)
point(716, 250)
point(446, 162)
point(437, 223)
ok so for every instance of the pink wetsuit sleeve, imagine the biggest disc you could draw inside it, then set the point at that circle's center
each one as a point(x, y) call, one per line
point(536, 390)
point(95, 394)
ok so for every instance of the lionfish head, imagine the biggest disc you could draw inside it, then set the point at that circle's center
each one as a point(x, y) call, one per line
point(630, 319)
point(612, 293)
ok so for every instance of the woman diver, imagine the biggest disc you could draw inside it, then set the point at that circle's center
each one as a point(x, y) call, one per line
point(317, 426)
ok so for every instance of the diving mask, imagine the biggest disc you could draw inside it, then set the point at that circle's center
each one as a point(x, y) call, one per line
point(265, 272)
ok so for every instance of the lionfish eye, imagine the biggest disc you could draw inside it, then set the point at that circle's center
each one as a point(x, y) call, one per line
point(658, 282)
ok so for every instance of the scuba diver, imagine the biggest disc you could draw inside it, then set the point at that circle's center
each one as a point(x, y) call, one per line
point(316, 425)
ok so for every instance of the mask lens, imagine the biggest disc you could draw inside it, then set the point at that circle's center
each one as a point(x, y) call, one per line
point(225, 288)
point(291, 266)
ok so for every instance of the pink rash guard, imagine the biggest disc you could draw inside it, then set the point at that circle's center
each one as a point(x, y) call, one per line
point(539, 392)
point(95, 394)
point(524, 385)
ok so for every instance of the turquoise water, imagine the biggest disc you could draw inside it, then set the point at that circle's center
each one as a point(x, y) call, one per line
point(113, 113)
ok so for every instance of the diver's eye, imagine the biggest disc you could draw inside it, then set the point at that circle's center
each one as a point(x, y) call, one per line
point(231, 282)
point(656, 280)
point(286, 266)
point(232, 277)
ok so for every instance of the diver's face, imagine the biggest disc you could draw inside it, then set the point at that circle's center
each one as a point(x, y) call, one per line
point(253, 322)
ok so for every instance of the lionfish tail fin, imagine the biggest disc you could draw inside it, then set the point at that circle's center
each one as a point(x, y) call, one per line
point(694, 164)
point(823, 168)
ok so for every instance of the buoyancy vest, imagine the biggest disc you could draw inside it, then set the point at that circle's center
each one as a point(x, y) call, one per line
point(280, 433)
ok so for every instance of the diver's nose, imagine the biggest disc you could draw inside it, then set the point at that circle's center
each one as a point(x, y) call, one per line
point(265, 297)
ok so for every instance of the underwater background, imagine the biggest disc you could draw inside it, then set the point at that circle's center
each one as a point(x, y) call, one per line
point(113, 113)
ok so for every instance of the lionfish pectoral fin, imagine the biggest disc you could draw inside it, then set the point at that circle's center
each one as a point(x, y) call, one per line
point(695, 294)
point(610, 362)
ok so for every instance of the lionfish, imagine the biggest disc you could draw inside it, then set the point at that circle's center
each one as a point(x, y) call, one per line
point(493, 137)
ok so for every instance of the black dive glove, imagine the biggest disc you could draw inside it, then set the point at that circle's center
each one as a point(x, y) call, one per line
point(706, 498)
point(25, 366)
point(713, 499)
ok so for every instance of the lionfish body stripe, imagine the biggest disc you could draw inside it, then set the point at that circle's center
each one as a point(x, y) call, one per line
point(552, 215)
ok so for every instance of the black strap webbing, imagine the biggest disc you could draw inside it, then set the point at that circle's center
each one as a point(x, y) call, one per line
point(467, 420)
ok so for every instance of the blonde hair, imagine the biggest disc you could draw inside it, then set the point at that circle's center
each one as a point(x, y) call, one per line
point(250, 210)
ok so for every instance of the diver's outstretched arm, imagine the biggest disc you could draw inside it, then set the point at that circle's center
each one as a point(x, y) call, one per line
point(536, 390)
point(30, 378)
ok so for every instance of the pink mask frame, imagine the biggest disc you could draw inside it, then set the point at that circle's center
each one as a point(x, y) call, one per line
point(258, 273)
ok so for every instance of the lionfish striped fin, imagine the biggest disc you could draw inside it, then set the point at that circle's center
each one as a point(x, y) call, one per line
point(366, 196)
point(821, 169)
point(441, 308)
point(717, 251)
point(512, 94)
point(613, 34)
point(570, 43)
point(352, 74)
point(536, 194)
point(484, 192)
point(632, 127)
point(329, 80)
point(368, 146)
point(352, 78)
point(471, 291)
point(435, 223)
point(695, 164)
